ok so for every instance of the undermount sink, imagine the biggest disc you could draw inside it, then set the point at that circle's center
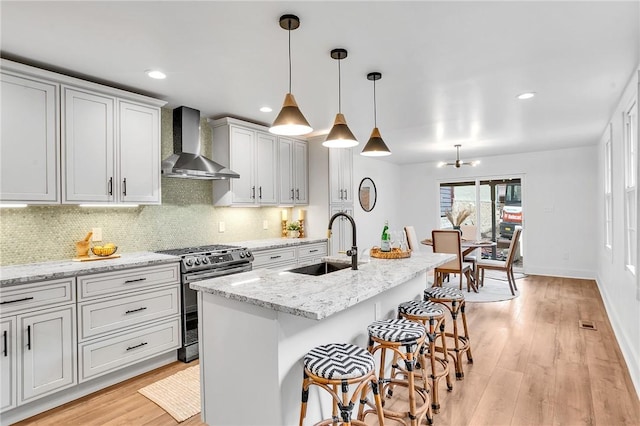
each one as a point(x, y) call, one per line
point(321, 268)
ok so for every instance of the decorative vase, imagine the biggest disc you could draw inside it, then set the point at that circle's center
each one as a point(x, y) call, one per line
point(294, 234)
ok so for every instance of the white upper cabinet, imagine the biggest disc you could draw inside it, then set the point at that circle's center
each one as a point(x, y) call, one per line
point(139, 143)
point(293, 168)
point(341, 175)
point(29, 140)
point(73, 141)
point(89, 147)
point(249, 150)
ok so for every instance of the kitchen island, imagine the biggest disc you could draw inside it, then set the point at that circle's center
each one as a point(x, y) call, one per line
point(255, 328)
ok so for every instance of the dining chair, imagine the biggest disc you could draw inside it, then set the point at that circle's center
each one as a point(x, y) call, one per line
point(412, 238)
point(469, 233)
point(503, 265)
point(448, 241)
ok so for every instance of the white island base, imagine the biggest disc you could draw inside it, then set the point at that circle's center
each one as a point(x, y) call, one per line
point(251, 356)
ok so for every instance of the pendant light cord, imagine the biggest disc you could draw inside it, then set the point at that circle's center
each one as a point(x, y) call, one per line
point(289, 32)
point(375, 112)
point(339, 87)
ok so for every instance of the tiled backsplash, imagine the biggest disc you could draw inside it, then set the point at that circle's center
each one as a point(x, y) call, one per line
point(185, 218)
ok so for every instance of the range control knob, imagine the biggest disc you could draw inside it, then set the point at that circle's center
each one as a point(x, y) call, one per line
point(205, 260)
point(197, 262)
point(248, 253)
point(189, 262)
point(241, 255)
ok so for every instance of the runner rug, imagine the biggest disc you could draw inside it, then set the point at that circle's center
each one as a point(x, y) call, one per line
point(178, 394)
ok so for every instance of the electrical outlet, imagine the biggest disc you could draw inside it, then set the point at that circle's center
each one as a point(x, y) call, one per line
point(265, 224)
point(97, 234)
point(377, 311)
point(221, 227)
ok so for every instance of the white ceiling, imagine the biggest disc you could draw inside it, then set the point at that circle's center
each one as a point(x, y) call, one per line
point(450, 70)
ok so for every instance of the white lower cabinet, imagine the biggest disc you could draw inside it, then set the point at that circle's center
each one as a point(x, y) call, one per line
point(8, 369)
point(289, 257)
point(101, 356)
point(47, 358)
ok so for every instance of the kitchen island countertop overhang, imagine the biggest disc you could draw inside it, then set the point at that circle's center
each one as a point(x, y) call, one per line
point(317, 297)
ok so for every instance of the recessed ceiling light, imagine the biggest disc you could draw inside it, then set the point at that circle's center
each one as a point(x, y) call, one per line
point(266, 109)
point(526, 95)
point(158, 75)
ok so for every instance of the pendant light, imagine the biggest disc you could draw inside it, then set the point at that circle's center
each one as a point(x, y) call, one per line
point(459, 162)
point(376, 146)
point(290, 121)
point(340, 136)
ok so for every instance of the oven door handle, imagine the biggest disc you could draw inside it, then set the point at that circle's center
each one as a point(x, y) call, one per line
point(199, 276)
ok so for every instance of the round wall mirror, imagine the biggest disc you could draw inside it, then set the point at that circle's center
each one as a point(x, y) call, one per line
point(367, 194)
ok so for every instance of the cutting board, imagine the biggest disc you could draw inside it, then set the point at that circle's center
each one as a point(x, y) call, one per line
point(90, 258)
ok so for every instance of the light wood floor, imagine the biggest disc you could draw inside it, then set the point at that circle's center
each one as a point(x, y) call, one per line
point(532, 365)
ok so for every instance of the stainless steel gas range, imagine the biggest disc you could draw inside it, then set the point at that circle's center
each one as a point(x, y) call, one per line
point(197, 264)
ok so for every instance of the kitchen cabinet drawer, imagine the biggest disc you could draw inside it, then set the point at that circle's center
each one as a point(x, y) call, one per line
point(312, 250)
point(99, 357)
point(267, 258)
point(109, 283)
point(117, 313)
point(30, 296)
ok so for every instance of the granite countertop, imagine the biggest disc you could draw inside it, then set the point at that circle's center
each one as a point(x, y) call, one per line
point(274, 243)
point(317, 297)
point(31, 272)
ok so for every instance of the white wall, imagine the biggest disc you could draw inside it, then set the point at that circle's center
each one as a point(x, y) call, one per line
point(619, 288)
point(559, 204)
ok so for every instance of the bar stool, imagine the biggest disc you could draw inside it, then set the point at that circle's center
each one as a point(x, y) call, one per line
point(431, 315)
point(404, 339)
point(341, 364)
point(454, 301)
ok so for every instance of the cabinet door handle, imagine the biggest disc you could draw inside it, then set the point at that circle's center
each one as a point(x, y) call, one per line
point(110, 186)
point(291, 194)
point(134, 281)
point(29, 337)
point(260, 192)
point(297, 194)
point(135, 310)
point(345, 194)
point(275, 257)
point(313, 251)
point(253, 192)
point(124, 186)
point(137, 346)
point(4, 338)
point(17, 300)
point(341, 196)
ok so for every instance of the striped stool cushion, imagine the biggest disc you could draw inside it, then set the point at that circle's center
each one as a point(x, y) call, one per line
point(418, 308)
point(396, 330)
point(339, 361)
point(443, 293)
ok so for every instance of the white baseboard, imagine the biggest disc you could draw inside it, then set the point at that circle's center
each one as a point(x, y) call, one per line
point(563, 273)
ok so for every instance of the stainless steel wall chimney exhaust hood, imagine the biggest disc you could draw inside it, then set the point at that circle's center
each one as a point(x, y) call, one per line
point(186, 161)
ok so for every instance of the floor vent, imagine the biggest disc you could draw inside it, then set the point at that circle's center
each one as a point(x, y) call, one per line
point(587, 325)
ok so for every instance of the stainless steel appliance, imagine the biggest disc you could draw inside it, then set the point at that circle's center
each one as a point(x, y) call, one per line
point(197, 264)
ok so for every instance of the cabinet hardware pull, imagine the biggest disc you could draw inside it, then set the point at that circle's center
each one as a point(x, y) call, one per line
point(341, 196)
point(17, 300)
point(124, 187)
point(345, 194)
point(137, 346)
point(253, 192)
point(297, 194)
point(275, 257)
point(111, 185)
point(4, 337)
point(134, 281)
point(260, 192)
point(313, 251)
point(29, 337)
point(291, 194)
point(136, 310)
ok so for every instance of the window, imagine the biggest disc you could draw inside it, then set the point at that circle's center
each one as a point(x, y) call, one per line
point(630, 130)
point(608, 200)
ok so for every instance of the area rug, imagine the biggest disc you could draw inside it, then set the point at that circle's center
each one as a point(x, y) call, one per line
point(493, 291)
point(500, 275)
point(178, 394)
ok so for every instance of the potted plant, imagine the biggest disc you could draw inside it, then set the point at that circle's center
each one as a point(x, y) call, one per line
point(293, 229)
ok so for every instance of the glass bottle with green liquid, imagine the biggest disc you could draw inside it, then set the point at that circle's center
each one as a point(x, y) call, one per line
point(385, 244)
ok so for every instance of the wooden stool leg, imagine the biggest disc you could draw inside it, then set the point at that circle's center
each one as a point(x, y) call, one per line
point(305, 397)
point(466, 332)
point(445, 352)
